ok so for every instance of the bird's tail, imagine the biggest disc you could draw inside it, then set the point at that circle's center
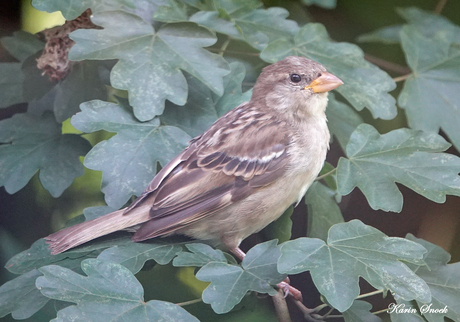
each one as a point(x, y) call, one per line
point(81, 233)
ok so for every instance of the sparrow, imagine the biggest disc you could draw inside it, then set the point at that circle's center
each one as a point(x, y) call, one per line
point(239, 175)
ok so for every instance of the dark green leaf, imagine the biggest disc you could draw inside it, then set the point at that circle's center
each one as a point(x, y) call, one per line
point(342, 120)
point(22, 44)
point(150, 61)
point(20, 297)
point(36, 84)
point(82, 84)
point(243, 21)
point(11, 80)
point(404, 311)
point(134, 255)
point(110, 292)
point(365, 85)
point(430, 95)
point(375, 162)
point(355, 250)
point(281, 228)
point(230, 283)
point(35, 143)
point(323, 211)
point(199, 255)
point(71, 10)
point(129, 159)
point(359, 312)
point(326, 4)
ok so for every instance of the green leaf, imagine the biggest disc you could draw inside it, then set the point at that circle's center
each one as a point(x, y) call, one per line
point(281, 228)
point(430, 95)
point(11, 80)
point(134, 255)
point(175, 11)
point(230, 283)
point(22, 44)
point(82, 84)
point(342, 120)
point(36, 85)
point(443, 280)
point(71, 10)
point(365, 85)
point(20, 297)
point(386, 35)
point(323, 211)
point(110, 292)
point(39, 255)
point(150, 62)
point(376, 162)
point(199, 255)
point(33, 143)
point(355, 250)
point(128, 160)
point(404, 311)
point(360, 312)
point(326, 4)
point(241, 20)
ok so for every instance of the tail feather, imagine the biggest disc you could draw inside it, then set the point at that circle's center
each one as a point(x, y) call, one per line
point(81, 233)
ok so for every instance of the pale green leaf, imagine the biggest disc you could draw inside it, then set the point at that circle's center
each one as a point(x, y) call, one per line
point(430, 95)
point(109, 292)
point(365, 85)
point(198, 256)
point(128, 160)
point(360, 312)
point(241, 20)
point(326, 4)
point(20, 297)
point(229, 283)
point(376, 162)
point(355, 250)
point(150, 62)
point(34, 144)
point(134, 255)
point(323, 211)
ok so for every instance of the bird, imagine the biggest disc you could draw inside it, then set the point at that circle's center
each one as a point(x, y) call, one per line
point(239, 175)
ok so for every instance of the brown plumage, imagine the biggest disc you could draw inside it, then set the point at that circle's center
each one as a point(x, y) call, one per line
point(238, 176)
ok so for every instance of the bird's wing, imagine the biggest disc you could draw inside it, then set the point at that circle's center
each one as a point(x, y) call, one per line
point(242, 152)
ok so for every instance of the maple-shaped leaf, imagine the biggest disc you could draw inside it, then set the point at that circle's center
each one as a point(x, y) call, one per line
point(356, 250)
point(150, 61)
point(20, 297)
point(229, 283)
point(430, 95)
point(443, 280)
point(360, 312)
point(375, 163)
point(242, 20)
point(35, 143)
point(109, 292)
point(198, 255)
point(326, 4)
point(365, 85)
point(128, 160)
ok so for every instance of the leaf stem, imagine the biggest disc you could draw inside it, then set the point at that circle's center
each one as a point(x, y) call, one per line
point(387, 64)
point(401, 78)
point(326, 174)
point(189, 302)
point(379, 312)
point(281, 308)
point(440, 6)
point(369, 294)
point(224, 46)
point(218, 50)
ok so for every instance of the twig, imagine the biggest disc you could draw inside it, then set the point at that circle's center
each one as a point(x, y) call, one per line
point(381, 311)
point(189, 302)
point(440, 6)
point(281, 308)
point(387, 64)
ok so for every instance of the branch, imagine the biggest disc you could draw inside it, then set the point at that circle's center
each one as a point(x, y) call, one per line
point(387, 65)
point(281, 308)
point(440, 6)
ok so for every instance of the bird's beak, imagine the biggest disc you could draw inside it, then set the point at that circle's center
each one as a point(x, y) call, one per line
point(325, 83)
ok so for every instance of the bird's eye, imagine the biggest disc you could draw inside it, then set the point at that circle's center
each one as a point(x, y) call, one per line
point(295, 78)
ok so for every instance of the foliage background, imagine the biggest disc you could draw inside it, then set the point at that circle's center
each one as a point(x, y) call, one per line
point(26, 216)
